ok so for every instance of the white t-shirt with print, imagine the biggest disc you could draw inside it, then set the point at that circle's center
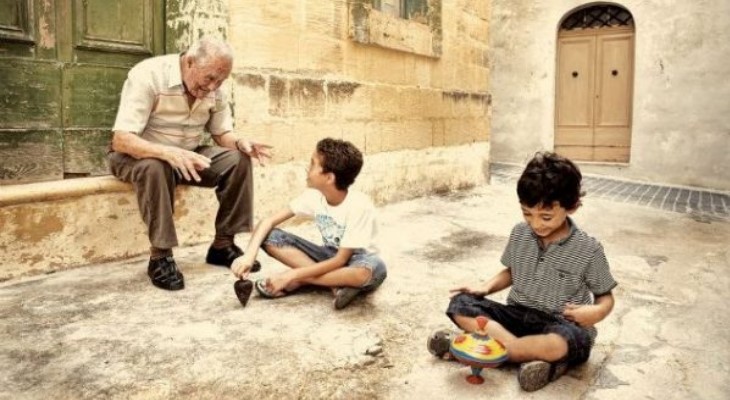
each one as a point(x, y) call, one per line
point(351, 224)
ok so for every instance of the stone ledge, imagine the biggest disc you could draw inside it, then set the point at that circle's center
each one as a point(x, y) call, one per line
point(59, 190)
point(59, 225)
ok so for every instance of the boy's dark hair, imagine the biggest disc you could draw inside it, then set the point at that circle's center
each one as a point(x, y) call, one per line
point(341, 158)
point(547, 178)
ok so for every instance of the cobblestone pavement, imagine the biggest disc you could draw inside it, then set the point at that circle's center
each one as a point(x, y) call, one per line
point(702, 205)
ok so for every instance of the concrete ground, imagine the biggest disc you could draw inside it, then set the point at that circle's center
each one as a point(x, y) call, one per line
point(104, 332)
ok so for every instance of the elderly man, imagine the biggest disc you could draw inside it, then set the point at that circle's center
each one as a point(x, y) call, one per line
point(166, 105)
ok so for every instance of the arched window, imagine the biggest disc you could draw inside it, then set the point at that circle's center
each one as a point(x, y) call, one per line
point(599, 16)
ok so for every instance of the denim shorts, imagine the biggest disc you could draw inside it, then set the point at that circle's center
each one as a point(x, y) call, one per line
point(360, 257)
point(523, 321)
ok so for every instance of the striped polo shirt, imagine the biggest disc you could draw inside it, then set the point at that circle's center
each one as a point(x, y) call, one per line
point(572, 270)
point(154, 106)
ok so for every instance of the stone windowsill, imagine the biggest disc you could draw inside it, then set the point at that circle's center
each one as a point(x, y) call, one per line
point(372, 27)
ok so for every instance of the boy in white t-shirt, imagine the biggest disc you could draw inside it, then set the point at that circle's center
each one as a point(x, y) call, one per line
point(347, 261)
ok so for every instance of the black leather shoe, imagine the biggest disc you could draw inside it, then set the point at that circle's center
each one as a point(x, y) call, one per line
point(164, 274)
point(225, 256)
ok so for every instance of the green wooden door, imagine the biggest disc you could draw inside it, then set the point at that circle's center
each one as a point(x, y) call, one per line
point(62, 66)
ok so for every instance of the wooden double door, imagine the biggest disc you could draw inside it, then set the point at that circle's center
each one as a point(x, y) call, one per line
point(595, 75)
point(62, 66)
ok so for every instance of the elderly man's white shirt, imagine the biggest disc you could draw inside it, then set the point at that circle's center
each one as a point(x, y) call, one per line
point(154, 106)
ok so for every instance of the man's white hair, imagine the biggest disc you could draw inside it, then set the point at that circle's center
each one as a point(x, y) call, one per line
point(207, 49)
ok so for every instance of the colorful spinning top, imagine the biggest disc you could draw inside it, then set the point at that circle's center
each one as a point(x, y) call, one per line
point(478, 351)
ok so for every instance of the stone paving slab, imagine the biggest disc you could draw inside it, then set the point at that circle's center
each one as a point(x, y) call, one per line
point(103, 332)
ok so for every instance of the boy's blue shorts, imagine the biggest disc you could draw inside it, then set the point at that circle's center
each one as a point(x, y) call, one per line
point(523, 321)
point(360, 258)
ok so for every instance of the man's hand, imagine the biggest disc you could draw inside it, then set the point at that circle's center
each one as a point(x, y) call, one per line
point(480, 290)
point(584, 315)
point(255, 150)
point(185, 162)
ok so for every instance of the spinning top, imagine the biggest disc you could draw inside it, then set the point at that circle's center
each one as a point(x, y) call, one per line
point(478, 351)
point(243, 289)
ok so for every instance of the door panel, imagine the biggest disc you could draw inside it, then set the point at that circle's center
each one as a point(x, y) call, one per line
point(15, 21)
point(611, 154)
point(27, 29)
point(17, 31)
point(612, 136)
point(31, 154)
point(579, 153)
point(84, 151)
point(31, 142)
point(575, 87)
point(107, 39)
point(101, 22)
point(593, 95)
point(575, 82)
point(579, 136)
point(62, 66)
point(613, 97)
point(91, 95)
point(30, 95)
point(114, 33)
point(614, 80)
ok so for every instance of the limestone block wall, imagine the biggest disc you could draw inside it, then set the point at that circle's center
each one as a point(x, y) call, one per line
point(300, 75)
point(681, 129)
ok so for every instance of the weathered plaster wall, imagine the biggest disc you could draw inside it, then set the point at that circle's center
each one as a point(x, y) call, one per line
point(187, 20)
point(681, 128)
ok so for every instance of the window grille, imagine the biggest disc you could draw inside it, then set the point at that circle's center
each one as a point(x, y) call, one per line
point(414, 10)
point(598, 17)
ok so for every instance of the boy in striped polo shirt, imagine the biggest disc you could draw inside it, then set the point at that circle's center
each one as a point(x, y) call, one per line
point(559, 277)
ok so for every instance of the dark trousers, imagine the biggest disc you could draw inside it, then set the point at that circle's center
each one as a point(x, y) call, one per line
point(154, 182)
point(522, 321)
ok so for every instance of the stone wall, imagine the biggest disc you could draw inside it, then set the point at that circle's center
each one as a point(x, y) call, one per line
point(681, 131)
point(187, 20)
point(304, 72)
point(415, 99)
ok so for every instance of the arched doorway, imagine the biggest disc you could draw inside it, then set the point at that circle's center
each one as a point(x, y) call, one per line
point(594, 84)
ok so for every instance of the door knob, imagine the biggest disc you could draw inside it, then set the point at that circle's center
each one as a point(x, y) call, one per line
point(614, 72)
point(575, 74)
